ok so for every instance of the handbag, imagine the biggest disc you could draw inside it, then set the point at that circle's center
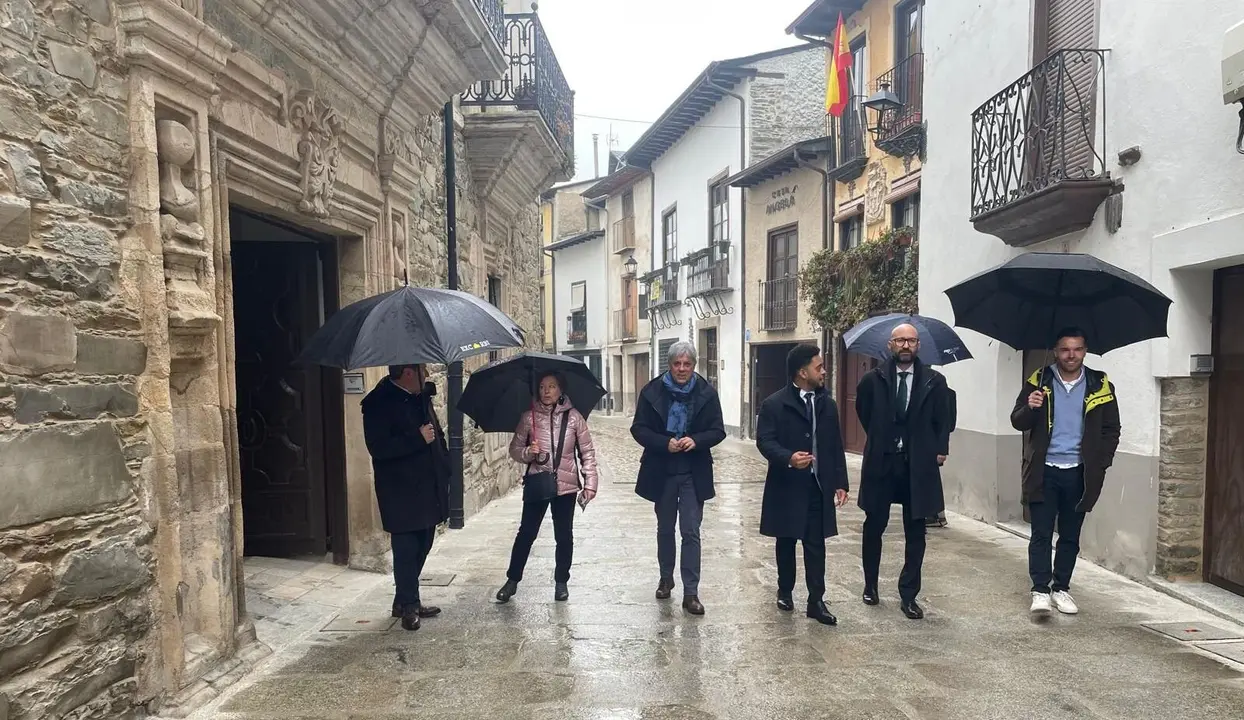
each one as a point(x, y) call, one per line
point(542, 486)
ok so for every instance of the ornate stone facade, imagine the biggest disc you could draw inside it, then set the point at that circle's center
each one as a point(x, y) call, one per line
point(131, 132)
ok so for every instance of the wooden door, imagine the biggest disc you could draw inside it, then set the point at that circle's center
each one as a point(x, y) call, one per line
point(1224, 500)
point(854, 368)
point(769, 372)
point(280, 401)
point(642, 374)
point(708, 355)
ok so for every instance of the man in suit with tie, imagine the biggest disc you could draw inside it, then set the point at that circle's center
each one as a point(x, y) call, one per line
point(903, 405)
point(798, 433)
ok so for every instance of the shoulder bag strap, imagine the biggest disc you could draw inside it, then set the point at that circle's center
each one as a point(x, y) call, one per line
point(561, 442)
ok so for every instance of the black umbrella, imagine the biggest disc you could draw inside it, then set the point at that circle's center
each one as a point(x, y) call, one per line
point(411, 325)
point(939, 343)
point(499, 393)
point(1026, 300)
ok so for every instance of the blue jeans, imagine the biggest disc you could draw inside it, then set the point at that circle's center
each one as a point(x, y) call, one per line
point(680, 503)
point(1061, 494)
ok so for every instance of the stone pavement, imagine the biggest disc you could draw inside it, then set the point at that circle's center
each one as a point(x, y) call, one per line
point(614, 653)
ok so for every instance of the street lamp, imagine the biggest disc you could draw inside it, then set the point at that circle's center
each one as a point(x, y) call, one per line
point(882, 101)
point(630, 265)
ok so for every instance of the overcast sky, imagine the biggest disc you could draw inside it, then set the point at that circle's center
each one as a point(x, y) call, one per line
point(631, 61)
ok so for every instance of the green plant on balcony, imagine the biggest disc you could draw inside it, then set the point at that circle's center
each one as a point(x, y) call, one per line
point(843, 287)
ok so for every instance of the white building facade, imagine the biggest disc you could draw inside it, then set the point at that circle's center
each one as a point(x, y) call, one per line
point(1148, 181)
point(736, 111)
point(580, 300)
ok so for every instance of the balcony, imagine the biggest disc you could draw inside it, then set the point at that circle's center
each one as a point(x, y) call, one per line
point(520, 129)
point(576, 327)
point(1037, 167)
point(708, 276)
point(900, 131)
point(623, 235)
point(779, 304)
point(850, 148)
point(626, 324)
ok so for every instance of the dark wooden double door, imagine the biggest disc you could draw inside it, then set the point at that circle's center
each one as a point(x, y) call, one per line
point(1224, 501)
point(290, 433)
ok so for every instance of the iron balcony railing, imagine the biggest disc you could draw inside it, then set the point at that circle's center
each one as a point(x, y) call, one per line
point(779, 303)
point(624, 234)
point(716, 276)
point(626, 324)
point(662, 288)
point(576, 327)
point(494, 14)
point(1040, 130)
point(533, 82)
point(848, 133)
point(906, 80)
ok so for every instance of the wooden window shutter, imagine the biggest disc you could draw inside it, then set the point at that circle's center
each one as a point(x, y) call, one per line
point(1068, 92)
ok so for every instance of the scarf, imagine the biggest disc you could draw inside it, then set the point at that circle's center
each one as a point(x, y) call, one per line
point(680, 404)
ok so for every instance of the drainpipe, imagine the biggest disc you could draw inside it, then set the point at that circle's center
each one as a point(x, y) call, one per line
point(743, 404)
point(456, 515)
point(827, 202)
point(552, 294)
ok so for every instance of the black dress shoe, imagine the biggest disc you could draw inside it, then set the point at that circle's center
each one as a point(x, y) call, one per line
point(410, 619)
point(819, 612)
point(507, 591)
point(664, 588)
point(870, 596)
point(785, 602)
point(912, 610)
point(692, 604)
point(427, 611)
point(561, 593)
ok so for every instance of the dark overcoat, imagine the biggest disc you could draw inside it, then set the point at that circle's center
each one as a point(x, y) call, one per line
point(928, 435)
point(412, 475)
point(704, 425)
point(782, 430)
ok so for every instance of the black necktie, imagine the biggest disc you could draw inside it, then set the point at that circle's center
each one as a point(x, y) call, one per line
point(901, 400)
point(807, 400)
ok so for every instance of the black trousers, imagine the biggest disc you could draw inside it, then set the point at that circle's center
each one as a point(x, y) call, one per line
point(1061, 494)
point(410, 552)
point(529, 528)
point(813, 552)
point(898, 476)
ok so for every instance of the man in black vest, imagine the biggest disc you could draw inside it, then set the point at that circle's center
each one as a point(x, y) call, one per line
point(903, 406)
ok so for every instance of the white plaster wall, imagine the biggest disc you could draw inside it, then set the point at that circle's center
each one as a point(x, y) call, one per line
point(585, 262)
point(682, 176)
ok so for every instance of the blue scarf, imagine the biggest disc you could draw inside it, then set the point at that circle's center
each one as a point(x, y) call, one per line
point(680, 404)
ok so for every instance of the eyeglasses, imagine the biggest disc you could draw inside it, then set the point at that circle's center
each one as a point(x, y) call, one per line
point(905, 341)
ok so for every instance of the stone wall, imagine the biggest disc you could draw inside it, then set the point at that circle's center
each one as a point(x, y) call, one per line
point(76, 555)
point(1181, 477)
point(790, 108)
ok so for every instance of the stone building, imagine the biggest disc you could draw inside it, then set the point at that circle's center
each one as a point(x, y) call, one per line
point(187, 188)
point(1133, 188)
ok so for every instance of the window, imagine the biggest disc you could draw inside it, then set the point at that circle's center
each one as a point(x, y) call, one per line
point(719, 215)
point(578, 296)
point(628, 204)
point(906, 213)
point(781, 291)
point(908, 26)
point(708, 355)
point(851, 232)
point(669, 233)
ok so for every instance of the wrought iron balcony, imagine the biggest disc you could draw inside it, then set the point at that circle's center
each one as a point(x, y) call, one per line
point(533, 82)
point(494, 14)
point(900, 131)
point(779, 303)
point(626, 324)
point(624, 235)
point(576, 327)
point(1037, 167)
point(850, 148)
point(708, 276)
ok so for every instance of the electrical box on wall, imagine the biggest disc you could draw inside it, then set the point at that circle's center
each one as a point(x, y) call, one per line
point(1233, 65)
point(1201, 364)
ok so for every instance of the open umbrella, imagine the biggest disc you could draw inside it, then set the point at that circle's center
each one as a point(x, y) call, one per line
point(939, 343)
point(411, 325)
point(498, 393)
point(1026, 300)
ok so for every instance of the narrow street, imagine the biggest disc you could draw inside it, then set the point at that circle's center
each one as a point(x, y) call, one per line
point(613, 652)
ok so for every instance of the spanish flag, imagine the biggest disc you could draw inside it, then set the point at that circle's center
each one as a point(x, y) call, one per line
point(838, 90)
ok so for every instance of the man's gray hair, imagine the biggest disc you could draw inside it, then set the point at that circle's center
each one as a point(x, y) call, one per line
point(680, 348)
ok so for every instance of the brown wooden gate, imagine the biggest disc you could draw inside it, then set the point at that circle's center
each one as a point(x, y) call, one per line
point(280, 401)
point(1224, 501)
point(853, 367)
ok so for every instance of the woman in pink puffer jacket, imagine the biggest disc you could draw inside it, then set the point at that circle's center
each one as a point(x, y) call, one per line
point(535, 448)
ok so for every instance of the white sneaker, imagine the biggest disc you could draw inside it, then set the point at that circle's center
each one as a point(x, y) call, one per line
point(1040, 603)
point(1064, 603)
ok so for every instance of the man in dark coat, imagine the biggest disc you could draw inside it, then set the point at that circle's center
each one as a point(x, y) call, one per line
point(678, 421)
point(797, 432)
point(903, 406)
point(411, 463)
point(1071, 416)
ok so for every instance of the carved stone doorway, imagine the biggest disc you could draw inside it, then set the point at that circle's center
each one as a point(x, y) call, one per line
point(290, 428)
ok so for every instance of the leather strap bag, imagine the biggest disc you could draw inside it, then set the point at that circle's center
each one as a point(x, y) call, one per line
point(542, 486)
